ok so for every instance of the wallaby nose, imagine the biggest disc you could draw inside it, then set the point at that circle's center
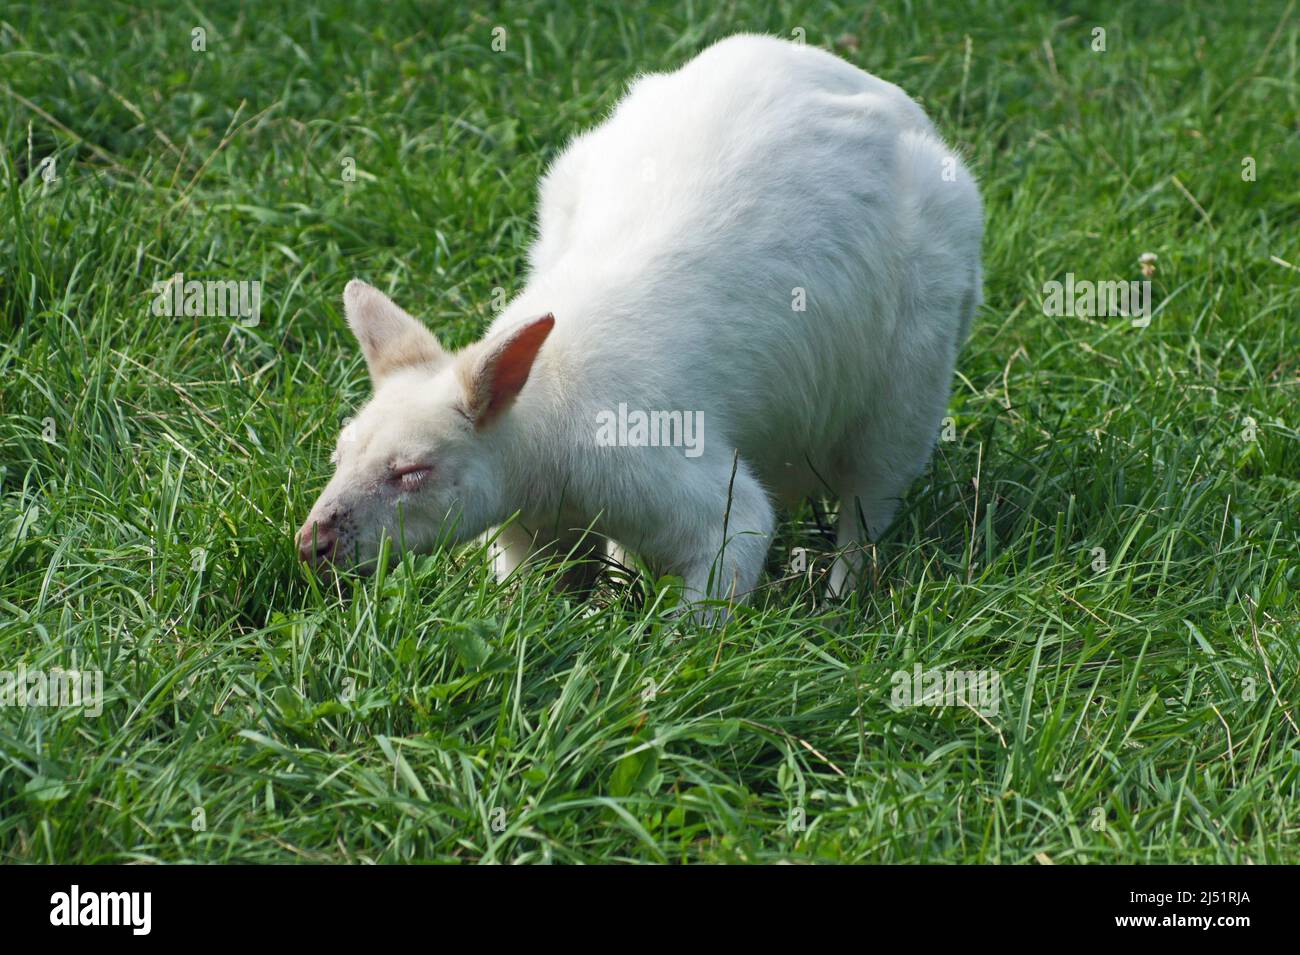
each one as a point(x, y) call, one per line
point(316, 542)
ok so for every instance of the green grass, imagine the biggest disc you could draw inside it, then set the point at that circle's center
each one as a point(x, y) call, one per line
point(1149, 709)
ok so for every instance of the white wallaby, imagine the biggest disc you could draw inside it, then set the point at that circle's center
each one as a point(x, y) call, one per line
point(749, 286)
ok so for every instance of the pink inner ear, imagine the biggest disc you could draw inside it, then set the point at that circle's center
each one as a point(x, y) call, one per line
point(509, 370)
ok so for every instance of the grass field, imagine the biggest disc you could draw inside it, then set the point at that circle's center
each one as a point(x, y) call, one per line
point(1111, 527)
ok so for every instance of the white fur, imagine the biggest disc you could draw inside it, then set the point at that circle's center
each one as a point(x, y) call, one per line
point(671, 242)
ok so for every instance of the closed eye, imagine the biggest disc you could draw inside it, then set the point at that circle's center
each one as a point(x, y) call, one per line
point(410, 477)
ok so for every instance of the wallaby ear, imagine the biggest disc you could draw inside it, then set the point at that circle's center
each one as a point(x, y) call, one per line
point(390, 339)
point(493, 376)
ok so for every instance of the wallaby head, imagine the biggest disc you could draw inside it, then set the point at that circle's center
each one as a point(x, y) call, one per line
point(422, 460)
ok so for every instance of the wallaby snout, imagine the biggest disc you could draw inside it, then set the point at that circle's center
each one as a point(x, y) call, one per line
point(316, 542)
